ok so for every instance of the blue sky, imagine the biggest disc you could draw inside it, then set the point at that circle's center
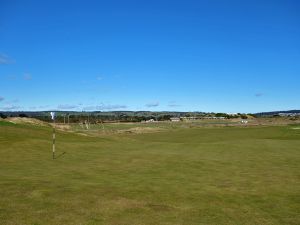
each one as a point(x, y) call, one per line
point(210, 55)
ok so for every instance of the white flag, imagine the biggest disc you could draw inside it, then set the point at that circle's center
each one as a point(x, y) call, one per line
point(52, 115)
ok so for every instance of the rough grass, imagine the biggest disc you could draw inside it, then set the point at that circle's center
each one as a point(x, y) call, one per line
point(227, 175)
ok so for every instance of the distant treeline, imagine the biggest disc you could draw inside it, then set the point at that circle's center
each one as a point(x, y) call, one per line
point(115, 116)
point(95, 117)
point(274, 113)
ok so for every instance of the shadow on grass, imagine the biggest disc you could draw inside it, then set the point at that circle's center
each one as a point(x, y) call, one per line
point(60, 155)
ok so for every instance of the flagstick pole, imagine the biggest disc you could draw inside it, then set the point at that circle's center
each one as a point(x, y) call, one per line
point(53, 144)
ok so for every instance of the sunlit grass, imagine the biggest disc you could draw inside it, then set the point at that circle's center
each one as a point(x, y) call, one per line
point(218, 175)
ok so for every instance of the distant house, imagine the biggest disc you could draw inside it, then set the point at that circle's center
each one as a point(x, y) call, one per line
point(150, 121)
point(288, 114)
point(185, 118)
point(214, 118)
point(175, 119)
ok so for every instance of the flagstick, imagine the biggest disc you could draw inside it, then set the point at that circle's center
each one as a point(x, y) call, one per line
point(53, 145)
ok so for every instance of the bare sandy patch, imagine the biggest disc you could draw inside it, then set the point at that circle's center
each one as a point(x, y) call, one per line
point(141, 130)
point(64, 127)
point(25, 120)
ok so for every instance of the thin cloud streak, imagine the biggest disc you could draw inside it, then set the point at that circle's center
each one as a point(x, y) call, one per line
point(110, 107)
point(67, 106)
point(89, 108)
point(12, 77)
point(174, 105)
point(12, 102)
point(104, 107)
point(27, 76)
point(43, 106)
point(4, 59)
point(259, 94)
point(10, 107)
point(152, 104)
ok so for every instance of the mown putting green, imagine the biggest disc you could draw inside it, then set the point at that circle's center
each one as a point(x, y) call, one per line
point(189, 176)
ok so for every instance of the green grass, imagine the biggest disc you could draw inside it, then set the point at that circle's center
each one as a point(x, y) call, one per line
point(228, 175)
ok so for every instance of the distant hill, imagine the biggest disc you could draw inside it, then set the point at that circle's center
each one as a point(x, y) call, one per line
point(123, 116)
point(276, 113)
point(98, 113)
point(128, 116)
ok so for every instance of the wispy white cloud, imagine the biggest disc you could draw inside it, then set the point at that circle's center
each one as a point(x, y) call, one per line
point(258, 94)
point(67, 106)
point(110, 107)
point(12, 101)
point(10, 104)
point(104, 107)
point(4, 59)
point(27, 76)
point(89, 108)
point(10, 107)
point(173, 104)
point(44, 106)
point(11, 77)
point(100, 78)
point(152, 104)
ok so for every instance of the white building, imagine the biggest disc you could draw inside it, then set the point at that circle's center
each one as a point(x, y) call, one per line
point(175, 119)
